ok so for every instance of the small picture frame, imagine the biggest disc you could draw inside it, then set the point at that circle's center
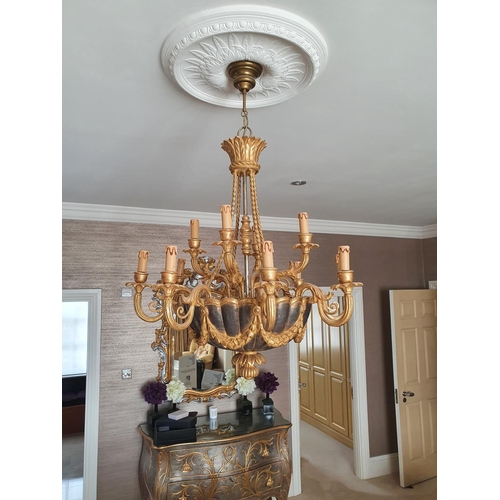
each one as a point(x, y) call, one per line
point(211, 379)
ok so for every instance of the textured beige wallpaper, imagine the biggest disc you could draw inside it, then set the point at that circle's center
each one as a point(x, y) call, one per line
point(104, 255)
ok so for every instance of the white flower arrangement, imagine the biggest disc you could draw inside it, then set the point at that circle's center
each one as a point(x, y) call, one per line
point(175, 390)
point(245, 386)
point(230, 376)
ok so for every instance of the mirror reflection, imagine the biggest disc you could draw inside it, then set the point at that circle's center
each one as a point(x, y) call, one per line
point(202, 369)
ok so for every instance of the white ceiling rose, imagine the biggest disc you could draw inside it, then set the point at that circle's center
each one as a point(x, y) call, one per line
point(291, 51)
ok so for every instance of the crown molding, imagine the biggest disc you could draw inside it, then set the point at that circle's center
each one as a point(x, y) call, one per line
point(110, 213)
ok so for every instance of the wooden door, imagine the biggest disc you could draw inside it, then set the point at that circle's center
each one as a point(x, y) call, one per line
point(340, 381)
point(414, 346)
point(313, 371)
point(324, 379)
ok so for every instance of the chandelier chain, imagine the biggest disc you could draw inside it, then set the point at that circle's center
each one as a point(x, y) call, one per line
point(237, 211)
point(259, 237)
point(244, 114)
point(234, 196)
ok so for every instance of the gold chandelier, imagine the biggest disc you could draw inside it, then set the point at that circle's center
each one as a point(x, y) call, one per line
point(251, 311)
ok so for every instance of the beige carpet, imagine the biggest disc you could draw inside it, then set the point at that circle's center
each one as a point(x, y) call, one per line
point(328, 473)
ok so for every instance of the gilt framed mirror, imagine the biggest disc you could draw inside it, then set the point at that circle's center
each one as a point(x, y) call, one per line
point(175, 346)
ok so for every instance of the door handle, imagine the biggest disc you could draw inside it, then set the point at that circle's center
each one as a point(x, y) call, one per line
point(408, 394)
point(301, 384)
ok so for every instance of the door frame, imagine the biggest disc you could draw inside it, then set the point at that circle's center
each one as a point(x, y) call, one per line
point(91, 434)
point(361, 443)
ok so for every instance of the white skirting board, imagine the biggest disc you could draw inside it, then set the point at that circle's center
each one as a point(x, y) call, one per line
point(382, 465)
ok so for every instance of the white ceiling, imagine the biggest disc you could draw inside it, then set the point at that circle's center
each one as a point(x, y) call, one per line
point(363, 135)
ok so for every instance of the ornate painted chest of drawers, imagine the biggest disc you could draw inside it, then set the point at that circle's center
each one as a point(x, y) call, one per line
point(234, 458)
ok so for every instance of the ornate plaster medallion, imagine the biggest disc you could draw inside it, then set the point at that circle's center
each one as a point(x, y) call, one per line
point(291, 51)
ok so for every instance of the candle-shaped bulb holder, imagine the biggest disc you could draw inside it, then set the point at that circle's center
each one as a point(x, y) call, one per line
point(140, 277)
point(305, 245)
point(195, 227)
point(269, 273)
point(342, 258)
point(168, 277)
point(303, 223)
point(226, 216)
point(345, 277)
point(171, 258)
point(194, 243)
point(180, 266)
point(305, 238)
point(143, 261)
point(267, 255)
point(226, 234)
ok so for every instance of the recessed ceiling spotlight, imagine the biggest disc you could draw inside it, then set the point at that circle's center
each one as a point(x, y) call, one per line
point(297, 183)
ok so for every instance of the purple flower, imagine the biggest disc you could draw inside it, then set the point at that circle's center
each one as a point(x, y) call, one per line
point(155, 393)
point(267, 382)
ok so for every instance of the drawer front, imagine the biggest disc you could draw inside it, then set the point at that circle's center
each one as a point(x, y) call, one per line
point(260, 483)
point(228, 458)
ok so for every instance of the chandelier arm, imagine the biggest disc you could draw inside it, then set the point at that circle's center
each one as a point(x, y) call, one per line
point(194, 251)
point(337, 320)
point(234, 274)
point(176, 298)
point(170, 316)
point(289, 283)
point(254, 279)
point(294, 268)
point(317, 293)
point(138, 303)
point(219, 278)
point(214, 275)
point(197, 268)
point(329, 312)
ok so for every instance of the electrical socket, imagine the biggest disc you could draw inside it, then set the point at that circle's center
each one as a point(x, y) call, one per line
point(127, 373)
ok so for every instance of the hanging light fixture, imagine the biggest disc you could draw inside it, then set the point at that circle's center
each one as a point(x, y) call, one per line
point(221, 56)
point(247, 310)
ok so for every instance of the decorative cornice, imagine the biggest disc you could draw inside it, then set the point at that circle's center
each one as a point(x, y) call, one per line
point(291, 51)
point(109, 213)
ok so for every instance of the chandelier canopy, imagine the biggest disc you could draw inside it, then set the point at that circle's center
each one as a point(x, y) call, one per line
point(247, 310)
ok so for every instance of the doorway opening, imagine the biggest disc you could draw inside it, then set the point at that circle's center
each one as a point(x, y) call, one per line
point(357, 362)
point(82, 309)
point(325, 379)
